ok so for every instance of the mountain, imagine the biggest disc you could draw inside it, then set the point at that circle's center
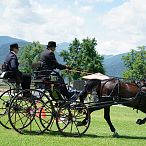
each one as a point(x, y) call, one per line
point(9, 40)
point(62, 46)
point(113, 64)
point(5, 42)
point(59, 48)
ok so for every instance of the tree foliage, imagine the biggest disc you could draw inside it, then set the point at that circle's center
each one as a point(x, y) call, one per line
point(29, 54)
point(83, 56)
point(135, 62)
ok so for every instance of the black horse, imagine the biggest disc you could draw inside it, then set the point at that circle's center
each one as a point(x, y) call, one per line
point(116, 91)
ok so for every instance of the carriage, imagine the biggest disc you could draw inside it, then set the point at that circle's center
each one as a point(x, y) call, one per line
point(36, 113)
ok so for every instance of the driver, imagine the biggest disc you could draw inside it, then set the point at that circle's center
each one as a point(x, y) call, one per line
point(49, 62)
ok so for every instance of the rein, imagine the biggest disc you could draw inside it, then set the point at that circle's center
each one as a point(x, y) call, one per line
point(78, 71)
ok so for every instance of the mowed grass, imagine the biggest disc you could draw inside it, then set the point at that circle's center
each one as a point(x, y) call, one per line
point(98, 134)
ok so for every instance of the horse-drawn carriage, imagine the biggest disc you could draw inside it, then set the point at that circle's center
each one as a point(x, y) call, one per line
point(35, 113)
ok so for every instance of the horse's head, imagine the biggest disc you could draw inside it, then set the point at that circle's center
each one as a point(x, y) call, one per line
point(143, 86)
point(141, 83)
point(137, 91)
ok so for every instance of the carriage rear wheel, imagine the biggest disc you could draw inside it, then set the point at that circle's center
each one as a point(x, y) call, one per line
point(5, 99)
point(25, 112)
point(73, 119)
point(48, 108)
point(46, 116)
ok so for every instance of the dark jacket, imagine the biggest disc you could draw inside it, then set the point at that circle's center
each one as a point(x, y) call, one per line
point(49, 61)
point(12, 64)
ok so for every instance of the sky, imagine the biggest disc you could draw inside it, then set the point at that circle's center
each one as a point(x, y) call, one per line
point(117, 25)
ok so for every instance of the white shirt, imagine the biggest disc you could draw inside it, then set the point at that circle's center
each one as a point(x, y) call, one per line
point(14, 53)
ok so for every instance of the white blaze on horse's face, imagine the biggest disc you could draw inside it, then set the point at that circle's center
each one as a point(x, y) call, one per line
point(142, 83)
point(143, 89)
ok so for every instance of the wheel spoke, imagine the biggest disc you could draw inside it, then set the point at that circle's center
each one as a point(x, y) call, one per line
point(72, 112)
point(28, 117)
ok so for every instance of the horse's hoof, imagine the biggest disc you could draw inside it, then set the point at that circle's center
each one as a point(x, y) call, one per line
point(116, 134)
point(140, 122)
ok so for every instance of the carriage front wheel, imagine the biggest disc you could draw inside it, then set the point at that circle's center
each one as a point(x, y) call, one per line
point(73, 119)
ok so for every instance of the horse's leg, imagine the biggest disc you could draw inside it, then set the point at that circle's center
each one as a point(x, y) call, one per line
point(141, 121)
point(108, 120)
point(144, 119)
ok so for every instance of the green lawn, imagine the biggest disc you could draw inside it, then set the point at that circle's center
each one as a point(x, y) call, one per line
point(98, 133)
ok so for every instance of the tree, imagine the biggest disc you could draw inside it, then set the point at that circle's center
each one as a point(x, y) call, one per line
point(83, 56)
point(135, 62)
point(30, 54)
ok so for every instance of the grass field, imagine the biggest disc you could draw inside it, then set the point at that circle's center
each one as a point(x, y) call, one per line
point(98, 133)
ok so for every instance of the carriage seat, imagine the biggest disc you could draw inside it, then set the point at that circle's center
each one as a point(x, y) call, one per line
point(8, 76)
point(45, 77)
point(41, 71)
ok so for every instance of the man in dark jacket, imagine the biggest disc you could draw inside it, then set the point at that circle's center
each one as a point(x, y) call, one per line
point(12, 63)
point(49, 62)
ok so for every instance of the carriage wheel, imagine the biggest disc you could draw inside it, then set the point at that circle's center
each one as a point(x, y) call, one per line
point(24, 112)
point(44, 121)
point(4, 106)
point(52, 127)
point(69, 119)
point(47, 116)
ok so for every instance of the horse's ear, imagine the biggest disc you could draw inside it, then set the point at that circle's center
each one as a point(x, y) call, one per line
point(144, 81)
point(133, 81)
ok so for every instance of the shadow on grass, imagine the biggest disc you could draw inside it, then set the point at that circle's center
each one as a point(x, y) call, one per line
point(131, 137)
point(123, 137)
point(57, 133)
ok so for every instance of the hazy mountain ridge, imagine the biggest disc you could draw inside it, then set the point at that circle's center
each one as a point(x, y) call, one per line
point(8, 40)
point(5, 42)
point(113, 64)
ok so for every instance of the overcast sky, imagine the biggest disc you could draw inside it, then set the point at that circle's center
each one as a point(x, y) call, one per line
point(117, 25)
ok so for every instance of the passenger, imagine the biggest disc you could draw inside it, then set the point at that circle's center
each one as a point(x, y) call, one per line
point(11, 61)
